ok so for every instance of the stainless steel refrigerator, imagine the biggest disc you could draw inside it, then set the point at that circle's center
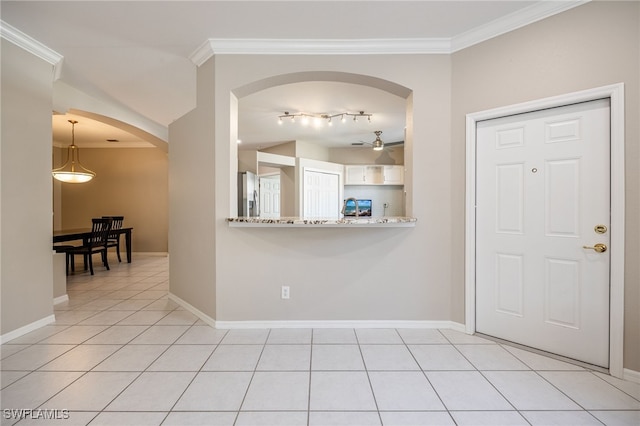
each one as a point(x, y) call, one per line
point(248, 195)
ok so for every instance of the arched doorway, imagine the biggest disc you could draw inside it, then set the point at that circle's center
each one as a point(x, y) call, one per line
point(380, 104)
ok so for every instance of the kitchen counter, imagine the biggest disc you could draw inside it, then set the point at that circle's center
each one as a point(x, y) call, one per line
point(353, 222)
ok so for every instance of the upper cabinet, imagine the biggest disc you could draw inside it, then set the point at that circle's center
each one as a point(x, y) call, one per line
point(393, 175)
point(374, 175)
point(363, 175)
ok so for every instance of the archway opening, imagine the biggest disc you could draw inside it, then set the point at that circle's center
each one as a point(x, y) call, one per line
point(379, 105)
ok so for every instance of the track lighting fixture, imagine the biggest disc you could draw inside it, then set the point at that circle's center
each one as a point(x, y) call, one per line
point(317, 118)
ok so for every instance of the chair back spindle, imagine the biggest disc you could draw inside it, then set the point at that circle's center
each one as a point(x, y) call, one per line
point(96, 242)
point(116, 224)
point(99, 232)
point(114, 236)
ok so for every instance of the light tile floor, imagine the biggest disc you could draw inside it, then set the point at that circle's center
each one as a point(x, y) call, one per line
point(121, 353)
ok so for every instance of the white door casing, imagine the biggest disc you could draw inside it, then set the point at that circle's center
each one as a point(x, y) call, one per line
point(542, 185)
point(616, 233)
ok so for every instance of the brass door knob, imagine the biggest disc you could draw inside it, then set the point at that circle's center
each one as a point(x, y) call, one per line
point(598, 248)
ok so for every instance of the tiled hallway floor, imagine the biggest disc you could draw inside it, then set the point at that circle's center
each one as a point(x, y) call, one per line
point(121, 353)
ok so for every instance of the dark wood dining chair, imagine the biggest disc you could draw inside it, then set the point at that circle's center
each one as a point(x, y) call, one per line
point(96, 243)
point(114, 238)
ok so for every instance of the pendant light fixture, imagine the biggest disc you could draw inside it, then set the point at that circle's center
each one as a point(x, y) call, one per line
point(72, 171)
point(378, 145)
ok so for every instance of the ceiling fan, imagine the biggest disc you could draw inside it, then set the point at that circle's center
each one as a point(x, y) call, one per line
point(378, 144)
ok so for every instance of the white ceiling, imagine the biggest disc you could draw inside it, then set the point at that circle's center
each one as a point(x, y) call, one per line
point(137, 54)
point(90, 133)
point(259, 125)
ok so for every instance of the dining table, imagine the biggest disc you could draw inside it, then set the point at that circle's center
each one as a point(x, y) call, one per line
point(63, 235)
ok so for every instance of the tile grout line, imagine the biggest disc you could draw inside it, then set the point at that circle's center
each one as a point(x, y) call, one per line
point(194, 376)
point(477, 369)
point(91, 370)
point(75, 345)
point(490, 382)
point(611, 384)
point(366, 369)
point(97, 415)
point(537, 372)
point(85, 372)
point(530, 369)
point(253, 374)
point(99, 412)
point(310, 377)
point(566, 395)
point(424, 373)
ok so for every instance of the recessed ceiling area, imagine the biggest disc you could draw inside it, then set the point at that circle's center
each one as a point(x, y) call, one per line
point(90, 133)
point(146, 68)
point(144, 64)
point(259, 126)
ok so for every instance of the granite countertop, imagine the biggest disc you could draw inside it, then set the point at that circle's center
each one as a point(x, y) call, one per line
point(387, 221)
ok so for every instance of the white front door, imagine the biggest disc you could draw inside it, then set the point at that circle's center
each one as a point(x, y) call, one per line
point(542, 198)
point(270, 196)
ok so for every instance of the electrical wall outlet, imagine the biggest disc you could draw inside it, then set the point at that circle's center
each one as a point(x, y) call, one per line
point(284, 292)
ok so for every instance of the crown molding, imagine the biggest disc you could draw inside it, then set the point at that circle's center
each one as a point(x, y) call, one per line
point(202, 53)
point(320, 47)
point(513, 21)
point(519, 19)
point(32, 46)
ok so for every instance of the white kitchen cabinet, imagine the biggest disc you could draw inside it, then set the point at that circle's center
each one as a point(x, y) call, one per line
point(354, 175)
point(374, 175)
point(393, 175)
point(364, 175)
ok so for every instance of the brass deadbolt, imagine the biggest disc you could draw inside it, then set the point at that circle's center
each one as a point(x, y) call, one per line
point(600, 229)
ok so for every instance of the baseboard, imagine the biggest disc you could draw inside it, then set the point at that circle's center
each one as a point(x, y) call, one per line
point(195, 311)
point(631, 375)
point(456, 326)
point(26, 329)
point(338, 324)
point(60, 299)
point(315, 323)
point(146, 253)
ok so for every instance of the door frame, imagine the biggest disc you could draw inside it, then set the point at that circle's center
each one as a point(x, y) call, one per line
point(615, 93)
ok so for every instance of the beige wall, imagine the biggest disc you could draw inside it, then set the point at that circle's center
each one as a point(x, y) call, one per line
point(402, 274)
point(26, 266)
point(132, 182)
point(192, 190)
point(589, 46)
point(59, 157)
point(366, 155)
point(342, 274)
point(334, 274)
point(369, 274)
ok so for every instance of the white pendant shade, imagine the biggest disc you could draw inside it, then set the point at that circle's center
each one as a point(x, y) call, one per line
point(72, 171)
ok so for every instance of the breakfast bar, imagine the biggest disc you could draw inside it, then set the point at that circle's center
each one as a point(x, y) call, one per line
point(353, 222)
